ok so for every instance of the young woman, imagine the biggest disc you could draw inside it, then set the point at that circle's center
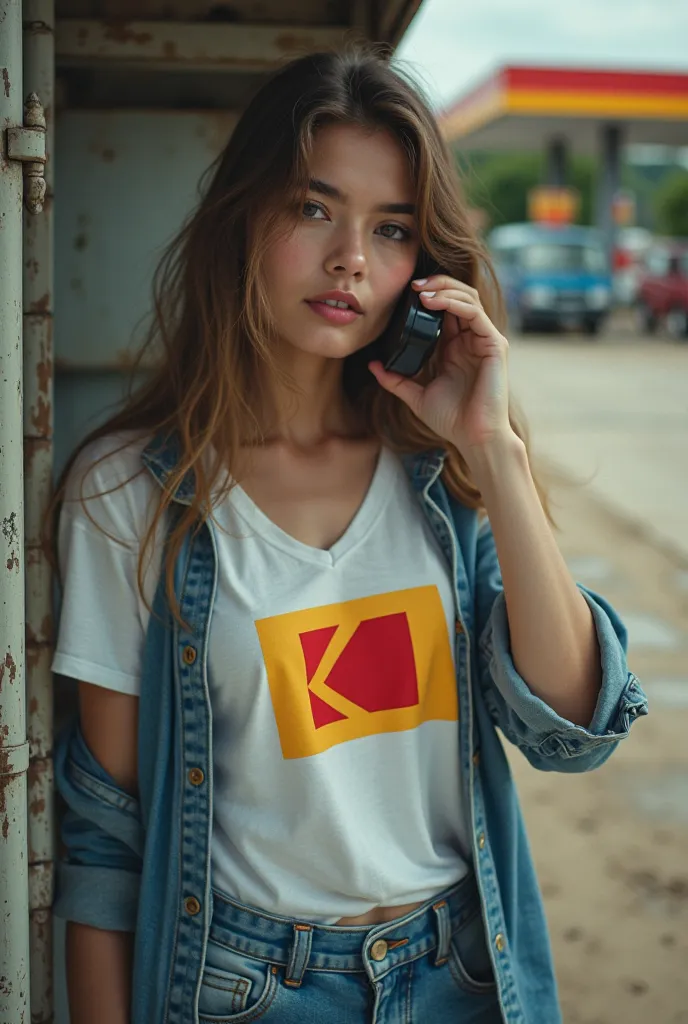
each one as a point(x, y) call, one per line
point(300, 593)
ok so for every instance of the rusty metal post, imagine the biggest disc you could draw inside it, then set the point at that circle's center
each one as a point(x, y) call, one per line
point(14, 748)
point(39, 78)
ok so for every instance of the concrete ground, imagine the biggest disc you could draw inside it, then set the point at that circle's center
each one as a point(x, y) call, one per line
point(613, 411)
point(611, 847)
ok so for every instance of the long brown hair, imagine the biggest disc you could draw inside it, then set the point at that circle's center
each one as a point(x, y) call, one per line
point(210, 338)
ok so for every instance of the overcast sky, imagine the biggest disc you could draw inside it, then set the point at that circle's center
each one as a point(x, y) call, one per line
point(453, 44)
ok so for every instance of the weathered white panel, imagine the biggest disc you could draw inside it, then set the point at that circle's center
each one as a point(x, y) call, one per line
point(126, 180)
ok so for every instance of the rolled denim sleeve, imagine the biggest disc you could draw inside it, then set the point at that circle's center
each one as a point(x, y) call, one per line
point(98, 876)
point(550, 742)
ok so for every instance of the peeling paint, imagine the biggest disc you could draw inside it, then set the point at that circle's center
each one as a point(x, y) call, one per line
point(37, 769)
point(12, 562)
point(292, 42)
point(122, 33)
point(7, 773)
point(36, 829)
point(29, 455)
point(44, 374)
point(6, 82)
point(37, 806)
point(9, 663)
point(33, 656)
point(5, 827)
point(41, 417)
point(44, 634)
point(9, 528)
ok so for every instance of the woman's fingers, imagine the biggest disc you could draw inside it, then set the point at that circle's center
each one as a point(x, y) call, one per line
point(441, 282)
point(464, 309)
point(407, 390)
point(453, 293)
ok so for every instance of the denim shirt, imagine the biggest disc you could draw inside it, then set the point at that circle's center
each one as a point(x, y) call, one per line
point(143, 864)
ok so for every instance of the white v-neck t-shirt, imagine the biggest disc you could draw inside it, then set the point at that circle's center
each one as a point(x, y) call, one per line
point(336, 770)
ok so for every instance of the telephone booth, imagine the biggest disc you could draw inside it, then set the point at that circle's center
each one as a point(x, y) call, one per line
point(109, 114)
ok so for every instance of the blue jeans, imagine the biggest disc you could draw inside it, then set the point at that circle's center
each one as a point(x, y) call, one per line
point(430, 967)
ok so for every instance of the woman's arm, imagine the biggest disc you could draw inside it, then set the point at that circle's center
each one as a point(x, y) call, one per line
point(99, 967)
point(99, 963)
point(553, 639)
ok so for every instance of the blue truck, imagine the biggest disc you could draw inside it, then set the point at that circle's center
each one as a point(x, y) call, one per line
point(553, 277)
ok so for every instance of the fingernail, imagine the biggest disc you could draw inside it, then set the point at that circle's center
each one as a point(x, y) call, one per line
point(428, 295)
point(421, 280)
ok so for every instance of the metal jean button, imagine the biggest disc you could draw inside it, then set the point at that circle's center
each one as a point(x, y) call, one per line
point(378, 950)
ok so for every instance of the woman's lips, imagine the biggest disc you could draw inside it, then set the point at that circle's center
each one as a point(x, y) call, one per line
point(335, 314)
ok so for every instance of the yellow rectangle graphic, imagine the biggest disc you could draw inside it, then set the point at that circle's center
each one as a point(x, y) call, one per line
point(358, 668)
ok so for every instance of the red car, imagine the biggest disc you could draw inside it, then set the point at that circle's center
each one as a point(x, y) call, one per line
point(663, 292)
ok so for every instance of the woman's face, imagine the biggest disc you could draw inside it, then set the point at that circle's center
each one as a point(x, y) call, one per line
point(355, 242)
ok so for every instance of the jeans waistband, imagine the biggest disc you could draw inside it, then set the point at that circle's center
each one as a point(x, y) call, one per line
point(300, 944)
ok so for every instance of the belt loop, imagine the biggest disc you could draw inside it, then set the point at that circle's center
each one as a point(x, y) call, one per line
point(299, 955)
point(443, 932)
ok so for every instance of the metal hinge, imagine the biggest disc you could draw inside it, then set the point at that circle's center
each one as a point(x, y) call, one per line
point(27, 144)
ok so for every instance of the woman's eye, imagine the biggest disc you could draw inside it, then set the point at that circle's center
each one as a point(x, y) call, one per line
point(395, 232)
point(311, 210)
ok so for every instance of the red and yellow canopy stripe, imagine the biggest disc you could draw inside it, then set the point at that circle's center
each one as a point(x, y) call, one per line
point(543, 92)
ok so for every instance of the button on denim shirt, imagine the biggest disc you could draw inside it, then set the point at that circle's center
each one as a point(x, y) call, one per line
point(144, 864)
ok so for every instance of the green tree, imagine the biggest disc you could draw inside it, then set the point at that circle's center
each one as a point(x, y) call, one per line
point(671, 204)
point(500, 182)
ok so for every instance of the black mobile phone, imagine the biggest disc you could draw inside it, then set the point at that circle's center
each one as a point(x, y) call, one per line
point(413, 330)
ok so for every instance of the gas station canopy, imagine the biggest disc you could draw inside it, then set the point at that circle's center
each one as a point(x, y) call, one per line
point(525, 107)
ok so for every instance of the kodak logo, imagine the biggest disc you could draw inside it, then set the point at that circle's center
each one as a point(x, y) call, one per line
point(343, 671)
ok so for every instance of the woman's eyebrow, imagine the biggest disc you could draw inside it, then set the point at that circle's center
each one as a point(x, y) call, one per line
point(323, 188)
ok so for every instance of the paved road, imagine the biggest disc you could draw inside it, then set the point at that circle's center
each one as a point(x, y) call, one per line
point(615, 412)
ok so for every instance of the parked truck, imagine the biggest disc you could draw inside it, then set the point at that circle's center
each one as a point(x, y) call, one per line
point(663, 291)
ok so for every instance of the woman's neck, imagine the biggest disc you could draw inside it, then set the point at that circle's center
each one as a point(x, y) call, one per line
point(312, 412)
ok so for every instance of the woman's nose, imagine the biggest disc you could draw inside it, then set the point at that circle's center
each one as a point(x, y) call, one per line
point(348, 258)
